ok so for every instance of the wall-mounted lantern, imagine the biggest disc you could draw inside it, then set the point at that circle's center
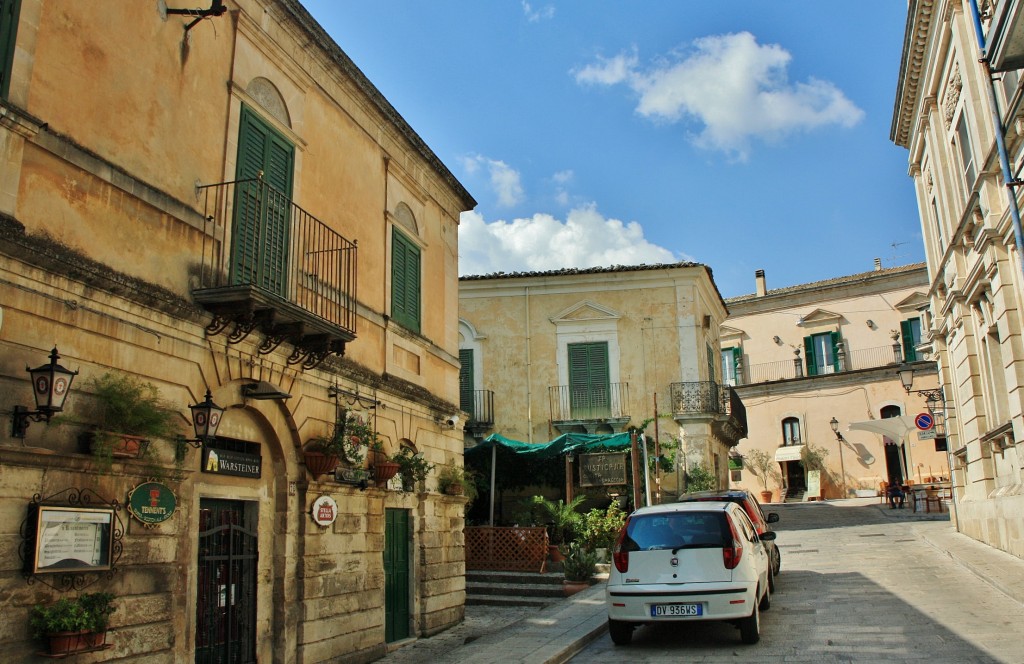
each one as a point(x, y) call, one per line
point(206, 418)
point(50, 386)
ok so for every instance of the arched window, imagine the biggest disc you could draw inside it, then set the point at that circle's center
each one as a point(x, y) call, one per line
point(791, 431)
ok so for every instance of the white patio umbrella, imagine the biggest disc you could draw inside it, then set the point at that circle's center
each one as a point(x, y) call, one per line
point(896, 428)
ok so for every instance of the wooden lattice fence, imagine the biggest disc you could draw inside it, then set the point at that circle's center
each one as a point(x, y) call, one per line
point(509, 549)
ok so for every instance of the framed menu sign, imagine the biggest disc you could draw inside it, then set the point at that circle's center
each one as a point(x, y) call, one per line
point(72, 539)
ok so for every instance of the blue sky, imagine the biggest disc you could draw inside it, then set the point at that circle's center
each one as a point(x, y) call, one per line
point(742, 135)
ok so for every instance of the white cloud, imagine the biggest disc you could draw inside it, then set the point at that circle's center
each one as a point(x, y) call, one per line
point(533, 16)
point(736, 88)
point(541, 242)
point(563, 177)
point(505, 180)
point(608, 71)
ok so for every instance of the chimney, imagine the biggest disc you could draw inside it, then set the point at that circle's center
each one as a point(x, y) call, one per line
point(878, 264)
point(759, 279)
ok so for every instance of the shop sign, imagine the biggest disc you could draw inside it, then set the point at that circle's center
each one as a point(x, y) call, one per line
point(152, 503)
point(224, 462)
point(602, 469)
point(324, 511)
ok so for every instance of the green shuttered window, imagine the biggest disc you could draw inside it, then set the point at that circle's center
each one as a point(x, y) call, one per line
point(466, 380)
point(405, 282)
point(911, 332)
point(589, 386)
point(9, 12)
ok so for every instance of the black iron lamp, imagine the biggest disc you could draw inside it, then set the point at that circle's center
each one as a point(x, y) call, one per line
point(205, 420)
point(50, 386)
point(932, 398)
point(834, 423)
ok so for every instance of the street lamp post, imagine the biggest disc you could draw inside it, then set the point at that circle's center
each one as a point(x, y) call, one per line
point(834, 423)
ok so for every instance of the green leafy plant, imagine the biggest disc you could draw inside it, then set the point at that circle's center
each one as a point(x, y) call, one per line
point(579, 564)
point(699, 478)
point(455, 479)
point(412, 467)
point(90, 613)
point(561, 518)
point(763, 466)
point(600, 528)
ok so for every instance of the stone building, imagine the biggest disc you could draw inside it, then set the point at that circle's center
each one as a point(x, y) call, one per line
point(958, 113)
point(219, 202)
point(805, 355)
point(598, 350)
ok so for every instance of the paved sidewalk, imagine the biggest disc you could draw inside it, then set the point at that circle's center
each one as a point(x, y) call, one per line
point(519, 635)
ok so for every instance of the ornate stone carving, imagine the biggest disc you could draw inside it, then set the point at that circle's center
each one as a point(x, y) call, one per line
point(952, 96)
point(264, 93)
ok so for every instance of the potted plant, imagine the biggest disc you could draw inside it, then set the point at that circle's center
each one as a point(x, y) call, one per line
point(412, 467)
point(600, 528)
point(562, 521)
point(764, 467)
point(457, 481)
point(578, 568)
point(73, 625)
point(129, 414)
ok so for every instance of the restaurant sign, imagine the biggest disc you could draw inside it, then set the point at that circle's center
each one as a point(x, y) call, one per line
point(602, 469)
point(152, 503)
point(225, 462)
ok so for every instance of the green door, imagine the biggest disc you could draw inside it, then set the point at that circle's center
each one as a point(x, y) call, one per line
point(589, 386)
point(262, 208)
point(396, 575)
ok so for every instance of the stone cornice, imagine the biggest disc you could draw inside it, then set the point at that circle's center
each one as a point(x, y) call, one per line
point(920, 14)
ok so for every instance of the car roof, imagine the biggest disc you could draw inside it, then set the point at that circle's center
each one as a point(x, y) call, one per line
point(702, 506)
point(727, 494)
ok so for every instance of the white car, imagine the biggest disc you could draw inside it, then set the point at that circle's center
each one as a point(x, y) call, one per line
point(688, 561)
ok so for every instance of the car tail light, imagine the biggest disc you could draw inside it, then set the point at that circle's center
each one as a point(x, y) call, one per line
point(619, 556)
point(731, 554)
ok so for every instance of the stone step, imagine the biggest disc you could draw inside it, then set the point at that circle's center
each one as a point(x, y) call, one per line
point(530, 578)
point(504, 600)
point(515, 589)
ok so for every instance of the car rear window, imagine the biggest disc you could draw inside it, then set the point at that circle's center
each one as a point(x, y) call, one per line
point(676, 530)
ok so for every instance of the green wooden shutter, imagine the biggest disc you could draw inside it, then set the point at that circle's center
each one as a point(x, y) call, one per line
point(9, 12)
point(589, 386)
point(405, 282)
point(812, 365)
point(466, 380)
point(396, 575)
point(835, 351)
point(262, 213)
point(907, 331)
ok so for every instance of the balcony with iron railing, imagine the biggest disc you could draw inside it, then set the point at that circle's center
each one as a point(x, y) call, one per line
point(479, 404)
point(592, 409)
point(278, 270)
point(854, 360)
point(709, 400)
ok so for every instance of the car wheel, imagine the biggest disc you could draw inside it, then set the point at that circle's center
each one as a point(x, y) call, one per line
point(778, 560)
point(750, 627)
point(771, 581)
point(621, 632)
point(766, 599)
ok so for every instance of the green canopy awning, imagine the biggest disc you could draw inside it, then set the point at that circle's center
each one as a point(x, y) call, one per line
point(568, 443)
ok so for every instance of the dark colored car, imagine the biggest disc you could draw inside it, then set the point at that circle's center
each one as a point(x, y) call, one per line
point(753, 509)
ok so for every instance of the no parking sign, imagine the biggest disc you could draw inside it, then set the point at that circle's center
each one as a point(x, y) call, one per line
point(924, 421)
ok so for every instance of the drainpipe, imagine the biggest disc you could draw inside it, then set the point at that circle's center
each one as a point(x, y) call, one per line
point(997, 123)
point(529, 374)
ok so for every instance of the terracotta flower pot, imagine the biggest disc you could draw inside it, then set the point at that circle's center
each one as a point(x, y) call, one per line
point(555, 553)
point(63, 643)
point(766, 496)
point(384, 471)
point(318, 463)
point(573, 587)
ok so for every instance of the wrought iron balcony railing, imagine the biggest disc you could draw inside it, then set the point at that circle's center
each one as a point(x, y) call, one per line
point(278, 269)
point(596, 403)
point(710, 398)
point(854, 360)
point(480, 406)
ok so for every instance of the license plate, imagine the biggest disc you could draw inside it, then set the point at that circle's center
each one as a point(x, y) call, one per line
point(658, 610)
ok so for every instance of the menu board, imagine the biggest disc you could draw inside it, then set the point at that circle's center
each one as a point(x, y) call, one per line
point(73, 539)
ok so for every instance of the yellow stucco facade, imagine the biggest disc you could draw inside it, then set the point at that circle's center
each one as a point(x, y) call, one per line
point(117, 129)
point(600, 350)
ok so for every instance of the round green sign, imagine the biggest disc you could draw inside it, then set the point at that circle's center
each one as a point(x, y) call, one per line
point(152, 502)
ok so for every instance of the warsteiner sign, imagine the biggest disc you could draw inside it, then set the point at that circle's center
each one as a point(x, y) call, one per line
point(602, 469)
point(152, 503)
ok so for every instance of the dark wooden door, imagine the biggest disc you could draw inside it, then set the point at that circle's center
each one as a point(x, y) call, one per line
point(226, 588)
point(396, 575)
